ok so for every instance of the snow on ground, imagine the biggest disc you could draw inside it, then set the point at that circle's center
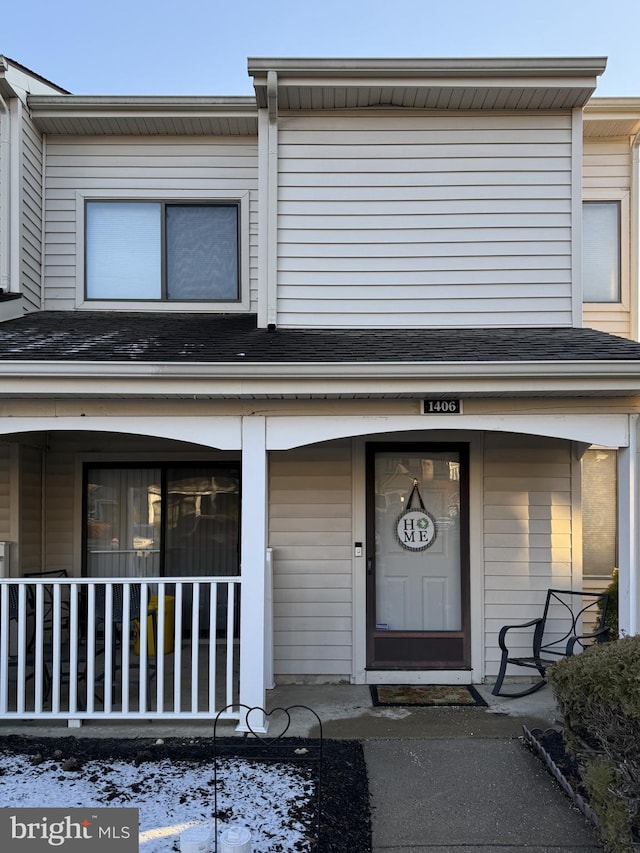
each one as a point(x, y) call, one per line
point(171, 796)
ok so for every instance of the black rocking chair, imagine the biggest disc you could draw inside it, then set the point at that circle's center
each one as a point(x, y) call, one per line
point(555, 635)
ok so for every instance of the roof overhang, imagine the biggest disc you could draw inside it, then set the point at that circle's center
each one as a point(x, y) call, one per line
point(82, 115)
point(430, 84)
point(612, 117)
point(251, 380)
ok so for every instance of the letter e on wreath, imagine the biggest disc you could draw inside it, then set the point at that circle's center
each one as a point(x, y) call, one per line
point(415, 527)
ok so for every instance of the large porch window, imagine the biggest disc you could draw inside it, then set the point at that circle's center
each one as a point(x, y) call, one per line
point(163, 520)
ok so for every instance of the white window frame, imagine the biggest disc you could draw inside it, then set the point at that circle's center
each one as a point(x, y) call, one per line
point(622, 197)
point(215, 306)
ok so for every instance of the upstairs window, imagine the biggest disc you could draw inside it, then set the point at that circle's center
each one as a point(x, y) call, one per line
point(601, 251)
point(147, 250)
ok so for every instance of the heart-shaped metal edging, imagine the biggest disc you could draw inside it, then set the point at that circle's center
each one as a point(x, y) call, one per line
point(266, 739)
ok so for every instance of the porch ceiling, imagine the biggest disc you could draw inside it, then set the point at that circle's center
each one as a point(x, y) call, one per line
point(122, 354)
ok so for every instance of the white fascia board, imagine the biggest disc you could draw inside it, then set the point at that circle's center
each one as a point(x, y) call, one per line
point(122, 379)
point(141, 104)
point(430, 68)
point(326, 370)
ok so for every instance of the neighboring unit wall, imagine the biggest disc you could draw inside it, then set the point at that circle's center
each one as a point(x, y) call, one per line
point(31, 243)
point(4, 196)
point(607, 177)
point(194, 168)
point(310, 533)
point(444, 220)
point(527, 531)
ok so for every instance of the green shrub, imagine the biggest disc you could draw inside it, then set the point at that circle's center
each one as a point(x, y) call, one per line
point(598, 693)
point(611, 618)
point(599, 779)
point(604, 676)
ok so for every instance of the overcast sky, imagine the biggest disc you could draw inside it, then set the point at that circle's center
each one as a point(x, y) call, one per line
point(145, 47)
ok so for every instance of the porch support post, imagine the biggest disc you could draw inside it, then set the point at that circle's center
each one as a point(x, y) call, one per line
point(253, 569)
point(628, 525)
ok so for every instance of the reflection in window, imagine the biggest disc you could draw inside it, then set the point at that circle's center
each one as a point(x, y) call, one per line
point(601, 251)
point(599, 512)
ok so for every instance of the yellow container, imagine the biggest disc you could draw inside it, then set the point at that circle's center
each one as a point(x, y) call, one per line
point(152, 621)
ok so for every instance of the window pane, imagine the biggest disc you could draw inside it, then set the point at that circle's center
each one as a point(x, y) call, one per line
point(601, 254)
point(202, 529)
point(123, 250)
point(202, 251)
point(599, 512)
point(123, 522)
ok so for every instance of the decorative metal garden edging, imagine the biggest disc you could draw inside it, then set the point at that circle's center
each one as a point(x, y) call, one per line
point(274, 748)
point(532, 737)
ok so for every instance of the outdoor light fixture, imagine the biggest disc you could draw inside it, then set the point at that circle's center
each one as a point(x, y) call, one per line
point(235, 839)
point(196, 839)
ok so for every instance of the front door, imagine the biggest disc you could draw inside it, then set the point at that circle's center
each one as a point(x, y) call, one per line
point(417, 557)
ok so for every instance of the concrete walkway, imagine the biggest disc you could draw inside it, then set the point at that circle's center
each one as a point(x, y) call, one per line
point(442, 780)
point(432, 796)
point(453, 780)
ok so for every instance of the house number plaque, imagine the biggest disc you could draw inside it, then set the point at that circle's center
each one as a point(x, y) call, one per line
point(442, 407)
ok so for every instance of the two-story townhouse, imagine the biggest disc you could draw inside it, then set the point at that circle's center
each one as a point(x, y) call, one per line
point(310, 368)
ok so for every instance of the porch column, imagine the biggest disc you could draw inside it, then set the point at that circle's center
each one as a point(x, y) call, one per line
point(628, 526)
point(253, 567)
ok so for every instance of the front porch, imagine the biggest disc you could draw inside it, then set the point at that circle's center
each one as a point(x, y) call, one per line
point(110, 507)
point(82, 649)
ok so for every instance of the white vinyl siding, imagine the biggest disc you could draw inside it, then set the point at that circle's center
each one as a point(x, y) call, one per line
point(310, 531)
point(607, 177)
point(31, 243)
point(5, 493)
point(527, 531)
point(184, 169)
point(30, 509)
point(60, 508)
point(428, 220)
point(4, 185)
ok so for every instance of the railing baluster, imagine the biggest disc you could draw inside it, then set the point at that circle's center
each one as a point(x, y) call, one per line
point(125, 645)
point(56, 645)
point(4, 649)
point(89, 628)
point(229, 638)
point(38, 673)
point(195, 633)
point(159, 646)
point(107, 642)
point(213, 644)
point(177, 653)
point(142, 682)
point(22, 650)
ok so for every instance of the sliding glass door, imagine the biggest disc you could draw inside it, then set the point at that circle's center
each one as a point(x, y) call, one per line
point(162, 520)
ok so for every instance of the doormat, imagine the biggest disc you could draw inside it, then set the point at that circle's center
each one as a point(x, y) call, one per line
point(435, 695)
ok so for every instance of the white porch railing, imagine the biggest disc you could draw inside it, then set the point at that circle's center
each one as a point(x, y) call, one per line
point(118, 648)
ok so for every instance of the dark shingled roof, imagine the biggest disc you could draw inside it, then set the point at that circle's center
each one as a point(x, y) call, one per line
point(109, 336)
